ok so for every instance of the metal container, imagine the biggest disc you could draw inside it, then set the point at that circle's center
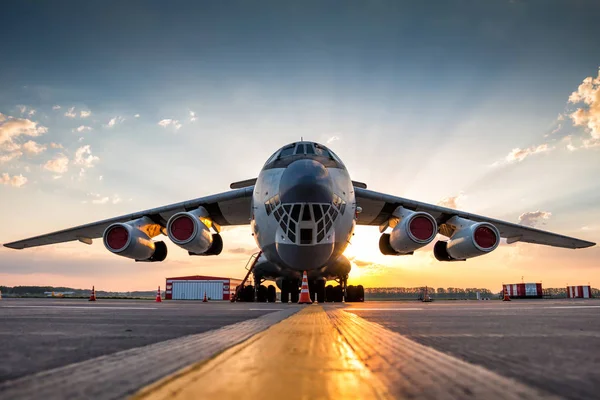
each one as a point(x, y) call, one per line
point(524, 290)
point(579, 292)
point(194, 288)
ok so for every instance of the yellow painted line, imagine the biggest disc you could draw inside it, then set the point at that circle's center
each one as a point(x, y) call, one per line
point(302, 357)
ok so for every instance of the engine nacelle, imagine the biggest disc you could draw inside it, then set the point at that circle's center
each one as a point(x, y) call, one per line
point(412, 231)
point(132, 240)
point(470, 239)
point(191, 231)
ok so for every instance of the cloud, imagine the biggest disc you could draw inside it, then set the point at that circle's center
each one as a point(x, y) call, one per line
point(532, 218)
point(588, 115)
point(82, 128)
point(13, 127)
point(170, 122)
point(84, 157)
point(452, 201)
point(10, 156)
point(193, 116)
point(32, 147)
point(56, 107)
point(517, 154)
point(16, 180)
point(56, 146)
point(332, 139)
point(26, 110)
point(71, 113)
point(85, 113)
point(99, 199)
point(113, 121)
point(243, 250)
point(136, 116)
point(100, 177)
point(59, 164)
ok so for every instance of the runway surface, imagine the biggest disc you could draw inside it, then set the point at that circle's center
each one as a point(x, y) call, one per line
point(552, 345)
point(39, 334)
point(452, 349)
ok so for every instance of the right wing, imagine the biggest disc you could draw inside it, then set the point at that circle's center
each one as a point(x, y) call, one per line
point(228, 208)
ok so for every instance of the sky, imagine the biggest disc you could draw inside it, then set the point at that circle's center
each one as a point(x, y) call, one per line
point(109, 107)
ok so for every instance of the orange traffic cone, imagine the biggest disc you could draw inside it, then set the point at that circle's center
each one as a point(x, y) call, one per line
point(205, 299)
point(506, 298)
point(158, 299)
point(304, 293)
point(93, 296)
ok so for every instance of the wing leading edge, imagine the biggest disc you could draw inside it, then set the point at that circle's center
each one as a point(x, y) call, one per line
point(228, 208)
point(378, 207)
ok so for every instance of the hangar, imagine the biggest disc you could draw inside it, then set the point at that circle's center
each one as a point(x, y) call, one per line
point(194, 287)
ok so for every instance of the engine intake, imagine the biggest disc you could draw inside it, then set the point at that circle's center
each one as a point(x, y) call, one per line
point(191, 231)
point(132, 240)
point(412, 231)
point(470, 239)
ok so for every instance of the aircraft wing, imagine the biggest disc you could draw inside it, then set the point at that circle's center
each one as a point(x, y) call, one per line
point(228, 208)
point(378, 207)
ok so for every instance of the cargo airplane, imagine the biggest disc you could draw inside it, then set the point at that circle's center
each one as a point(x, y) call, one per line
point(302, 209)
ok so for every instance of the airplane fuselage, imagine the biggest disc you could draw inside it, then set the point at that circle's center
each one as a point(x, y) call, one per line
point(303, 208)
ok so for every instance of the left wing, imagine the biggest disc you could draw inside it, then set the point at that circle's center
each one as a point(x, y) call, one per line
point(228, 208)
point(377, 208)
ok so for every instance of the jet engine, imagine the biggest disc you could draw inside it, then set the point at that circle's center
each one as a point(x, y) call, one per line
point(132, 240)
point(191, 231)
point(411, 231)
point(470, 239)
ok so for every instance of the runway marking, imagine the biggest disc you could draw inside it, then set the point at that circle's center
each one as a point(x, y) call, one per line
point(87, 307)
point(265, 309)
point(574, 307)
point(385, 309)
point(334, 353)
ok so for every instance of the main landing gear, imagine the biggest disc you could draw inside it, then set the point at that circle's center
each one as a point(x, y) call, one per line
point(290, 292)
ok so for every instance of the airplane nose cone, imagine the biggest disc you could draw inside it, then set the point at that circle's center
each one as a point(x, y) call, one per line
point(306, 181)
point(302, 258)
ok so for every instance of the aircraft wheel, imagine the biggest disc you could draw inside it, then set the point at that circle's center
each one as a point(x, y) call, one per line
point(261, 296)
point(350, 294)
point(336, 294)
point(248, 295)
point(285, 291)
point(360, 293)
point(271, 294)
point(320, 289)
point(329, 293)
point(295, 291)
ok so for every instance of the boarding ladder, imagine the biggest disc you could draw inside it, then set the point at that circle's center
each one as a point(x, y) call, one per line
point(249, 267)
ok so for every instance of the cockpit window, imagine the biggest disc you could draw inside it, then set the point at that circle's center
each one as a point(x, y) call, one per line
point(300, 149)
point(272, 158)
point(287, 151)
point(309, 149)
point(320, 151)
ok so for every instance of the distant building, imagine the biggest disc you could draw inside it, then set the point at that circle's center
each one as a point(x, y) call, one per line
point(194, 287)
point(579, 292)
point(524, 290)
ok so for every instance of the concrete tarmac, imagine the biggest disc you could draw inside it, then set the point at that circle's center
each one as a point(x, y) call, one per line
point(553, 345)
point(444, 349)
point(40, 334)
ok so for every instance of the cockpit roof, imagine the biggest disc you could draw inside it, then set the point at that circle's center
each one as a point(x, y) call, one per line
point(303, 149)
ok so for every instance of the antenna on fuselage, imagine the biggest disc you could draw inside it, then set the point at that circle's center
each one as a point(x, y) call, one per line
point(301, 139)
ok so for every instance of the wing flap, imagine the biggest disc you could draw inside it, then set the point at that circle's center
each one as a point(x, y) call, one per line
point(228, 208)
point(378, 207)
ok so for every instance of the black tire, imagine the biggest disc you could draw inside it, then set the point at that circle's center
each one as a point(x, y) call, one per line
point(320, 291)
point(294, 291)
point(337, 294)
point(248, 294)
point(360, 293)
point(350, 294)
point(261, 295)
point(271, 294)
point(329, 293)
